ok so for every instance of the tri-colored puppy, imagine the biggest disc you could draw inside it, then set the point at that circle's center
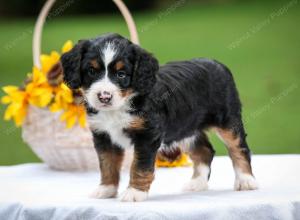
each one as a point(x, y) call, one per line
point(132, 101)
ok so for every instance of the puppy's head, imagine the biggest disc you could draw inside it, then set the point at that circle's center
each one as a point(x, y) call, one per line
point(110, 69)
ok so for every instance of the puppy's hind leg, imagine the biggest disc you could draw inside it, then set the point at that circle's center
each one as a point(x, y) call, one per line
point(201, 152)
point(234, 138)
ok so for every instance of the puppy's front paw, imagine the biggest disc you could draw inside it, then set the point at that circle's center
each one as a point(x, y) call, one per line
point(104, 192)
point(245, 182)
point(196, 185)
point(133, 195)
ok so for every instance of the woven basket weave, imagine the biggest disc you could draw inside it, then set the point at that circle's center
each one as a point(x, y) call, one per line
point(58, 147)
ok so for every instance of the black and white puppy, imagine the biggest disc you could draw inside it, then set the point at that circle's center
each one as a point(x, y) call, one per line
point(132, 101)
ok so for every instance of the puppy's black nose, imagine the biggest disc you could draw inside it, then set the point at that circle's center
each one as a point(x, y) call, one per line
point(105, 97)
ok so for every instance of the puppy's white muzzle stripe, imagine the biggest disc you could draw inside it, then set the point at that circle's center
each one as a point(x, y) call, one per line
point(108, 54)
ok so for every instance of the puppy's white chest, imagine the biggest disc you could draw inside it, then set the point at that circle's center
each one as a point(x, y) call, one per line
point(113, 123)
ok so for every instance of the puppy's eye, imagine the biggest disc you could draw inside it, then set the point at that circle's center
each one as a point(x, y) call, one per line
point(92, 72)
point(121, 74)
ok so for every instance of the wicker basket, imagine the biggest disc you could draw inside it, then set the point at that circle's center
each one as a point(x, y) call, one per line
point(58, 147)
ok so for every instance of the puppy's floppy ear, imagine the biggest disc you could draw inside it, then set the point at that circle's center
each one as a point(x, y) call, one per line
point(71, 62)
point(145, 69)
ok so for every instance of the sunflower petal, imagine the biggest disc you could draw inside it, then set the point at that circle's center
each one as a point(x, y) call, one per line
point(10, 89)
point(55, 107)
point(67, 46)
point(68, 97)
point(8, 113)
point(45, 100)
point(66, 115)
point(82, 120)
point(19, 118)
point(71, 121)
point(38, 76)
point(6, 100)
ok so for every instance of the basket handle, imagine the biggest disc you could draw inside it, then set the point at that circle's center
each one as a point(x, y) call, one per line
point(37, 34)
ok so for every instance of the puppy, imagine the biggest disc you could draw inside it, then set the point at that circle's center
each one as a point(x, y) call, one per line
point(132, 101)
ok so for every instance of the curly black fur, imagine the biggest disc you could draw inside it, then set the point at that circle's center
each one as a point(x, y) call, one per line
point(71, 64)
point(146, 67)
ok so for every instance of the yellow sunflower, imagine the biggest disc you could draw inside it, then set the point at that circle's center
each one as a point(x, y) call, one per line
point(39, 91)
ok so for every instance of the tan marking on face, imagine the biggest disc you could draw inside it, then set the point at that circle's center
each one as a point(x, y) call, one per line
point(119, 65)
point(126, 92)
point(236, 153)
point(139, 179)
point(94, 63)
point(110, 165)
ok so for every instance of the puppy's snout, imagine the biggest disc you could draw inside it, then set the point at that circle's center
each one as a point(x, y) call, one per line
point(105, 97)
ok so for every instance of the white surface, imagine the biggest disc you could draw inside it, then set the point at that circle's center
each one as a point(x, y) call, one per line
point(32, 191)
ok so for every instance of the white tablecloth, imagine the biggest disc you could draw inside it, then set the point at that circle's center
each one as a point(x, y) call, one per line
point(33, 191)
